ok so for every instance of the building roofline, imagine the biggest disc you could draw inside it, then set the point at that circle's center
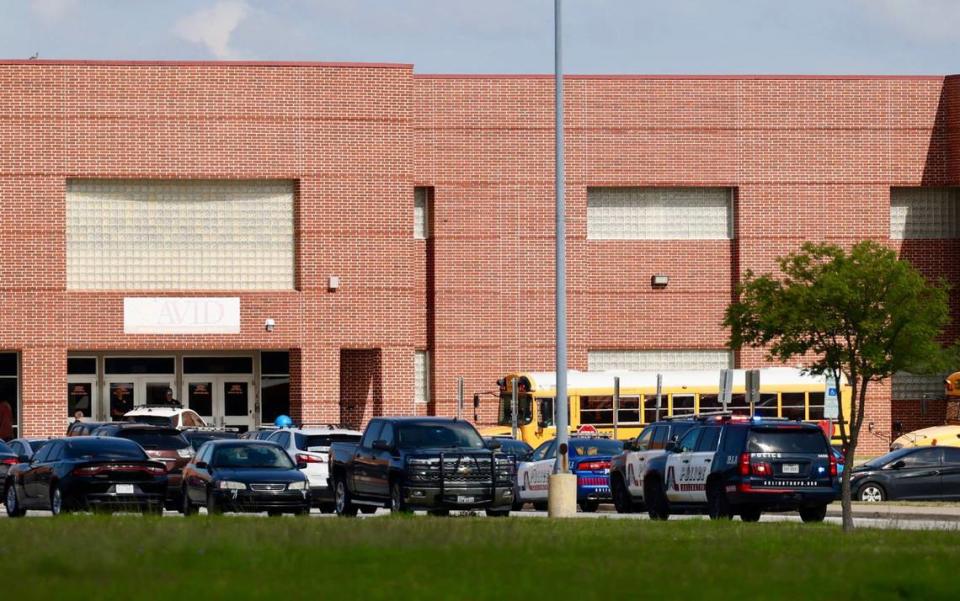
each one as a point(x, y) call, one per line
point(177, 63)
point(669, 77)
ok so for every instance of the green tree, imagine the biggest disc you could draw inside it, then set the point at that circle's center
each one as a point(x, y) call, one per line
point(863, 314)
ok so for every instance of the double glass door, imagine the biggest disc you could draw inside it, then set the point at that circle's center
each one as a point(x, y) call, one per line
point(123, 393)
point(221, 400)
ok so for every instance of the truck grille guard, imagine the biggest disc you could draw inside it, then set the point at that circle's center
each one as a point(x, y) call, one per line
point(448, 461)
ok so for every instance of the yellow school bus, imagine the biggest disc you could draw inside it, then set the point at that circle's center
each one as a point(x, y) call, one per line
point(784, 392)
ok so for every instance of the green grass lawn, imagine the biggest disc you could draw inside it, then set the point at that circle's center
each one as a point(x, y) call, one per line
point(98, 557)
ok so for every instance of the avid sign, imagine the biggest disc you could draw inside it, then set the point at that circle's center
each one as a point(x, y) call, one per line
point(174, 315)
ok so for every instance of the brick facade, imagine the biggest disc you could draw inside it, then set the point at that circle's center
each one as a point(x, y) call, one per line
point(810, 158)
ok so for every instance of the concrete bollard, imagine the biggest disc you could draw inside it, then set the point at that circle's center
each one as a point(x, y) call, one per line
point(562, 496)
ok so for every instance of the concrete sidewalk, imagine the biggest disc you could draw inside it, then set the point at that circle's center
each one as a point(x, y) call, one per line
point(920, 511)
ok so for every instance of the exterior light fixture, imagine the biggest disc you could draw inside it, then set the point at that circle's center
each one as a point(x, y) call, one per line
point(333, 282)
point(659, 281)
point(269, 324)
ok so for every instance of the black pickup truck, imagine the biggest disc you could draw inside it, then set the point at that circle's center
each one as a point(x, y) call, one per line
point(431, 463)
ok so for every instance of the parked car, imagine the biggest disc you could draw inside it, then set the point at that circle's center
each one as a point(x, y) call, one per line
point(82, 428)
point(8, 458)
point(198, 436)
point(261, 433)
point(25, 448)
point(512, 447)
point(311, 447)
point(589, 461)
point(170, 416)
point(937, 436)
point(912, 474)
point(726, 466)
point(430, 463)
point(84, 472)
point(164, 444)
point(629, 469)
point(244, 475)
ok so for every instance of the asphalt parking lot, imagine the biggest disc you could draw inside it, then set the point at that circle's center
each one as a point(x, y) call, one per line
point(885, 518)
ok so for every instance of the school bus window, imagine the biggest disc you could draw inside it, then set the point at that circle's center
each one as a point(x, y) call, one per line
point(545, 418)
point(629, 410)
point(767, 407)
point(682, 404)
point(596, 410)
point(650, 414)
point(816, 405)
point(524, 410)
point(709, 402)
point(792, 405)
point(738, 405)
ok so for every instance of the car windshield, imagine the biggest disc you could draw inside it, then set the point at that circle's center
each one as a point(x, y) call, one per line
point(883, 460)
point(786, 440)
point(153, 420)
point(197, 440)
point(156, 441)
point(321, 442)
point(588, 448)
point(452, 435)
point(259, 456)
point(105, 449)
point(513, 447)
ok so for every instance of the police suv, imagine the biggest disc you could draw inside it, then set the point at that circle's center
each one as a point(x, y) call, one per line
point(732, 465)
point(628, 469)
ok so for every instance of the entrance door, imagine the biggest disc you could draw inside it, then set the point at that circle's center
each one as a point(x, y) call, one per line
point(83, 397)
point(222, 400)
point(124, 392)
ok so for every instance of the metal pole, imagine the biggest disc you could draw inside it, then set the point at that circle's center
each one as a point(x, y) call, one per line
point(460, 397)
point(561, 235)
point(616, 405)
point(513, 410)
point(659, 389)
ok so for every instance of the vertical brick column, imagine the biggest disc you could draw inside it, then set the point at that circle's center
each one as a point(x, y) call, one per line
point(315, 384)
point(43, 391)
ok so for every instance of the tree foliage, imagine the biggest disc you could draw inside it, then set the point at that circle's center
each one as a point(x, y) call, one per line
point(863, 314)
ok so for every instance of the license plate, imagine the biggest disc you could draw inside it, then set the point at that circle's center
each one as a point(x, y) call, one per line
point(462, 499)
point(124, 489)
point(791, 468)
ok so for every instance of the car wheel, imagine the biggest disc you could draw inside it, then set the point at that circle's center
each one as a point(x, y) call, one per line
point(718, 507)
point(658, 508)
point(621, 496)
point(213, 508)
point(186, 505)
point(397, 505)
point(813, 514)
point(56, 500)
point(13, 502)
point(589, 506)
point(871, 493)
point(342, 504)
point(498, 513)
point(750, 514)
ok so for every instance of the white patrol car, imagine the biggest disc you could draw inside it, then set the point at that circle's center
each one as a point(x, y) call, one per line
point(170, 416)
point(628, 470)
point(311, 446)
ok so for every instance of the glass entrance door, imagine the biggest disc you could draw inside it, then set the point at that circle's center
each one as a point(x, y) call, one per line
point(82, 399)
point(224, 401)
point(126, 392)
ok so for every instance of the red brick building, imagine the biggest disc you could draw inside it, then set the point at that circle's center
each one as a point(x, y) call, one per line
point(339, 241)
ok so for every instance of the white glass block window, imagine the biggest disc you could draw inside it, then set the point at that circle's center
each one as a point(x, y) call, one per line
point(659, 213)
point(658, 360)
point(421, 213)
point(912, 387)
point(924, 213)
point(180, 235)
point(421, 377)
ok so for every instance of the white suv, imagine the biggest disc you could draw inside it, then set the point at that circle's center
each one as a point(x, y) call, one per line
point(628, 470)
point(170, 416)
point(311, 445)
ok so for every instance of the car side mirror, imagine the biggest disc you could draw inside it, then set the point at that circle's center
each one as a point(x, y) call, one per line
point(301, 465)
point(202, 465)
point(670, 447)
point(898, 465)
point(381, 445)
point(494, 445)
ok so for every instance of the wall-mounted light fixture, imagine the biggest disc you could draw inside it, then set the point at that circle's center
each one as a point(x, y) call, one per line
point(659, 281)
point(333, 282)
point(269, 324)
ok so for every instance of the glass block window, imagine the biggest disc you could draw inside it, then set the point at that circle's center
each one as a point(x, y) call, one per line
point(924, 213)
point(659, 213)
point(421, 376)
point(421, 213)
point(913, 387)
point(661, 360)
point(180, 235)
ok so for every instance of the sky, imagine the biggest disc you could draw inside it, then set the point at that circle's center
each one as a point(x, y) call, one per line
point(504, 36)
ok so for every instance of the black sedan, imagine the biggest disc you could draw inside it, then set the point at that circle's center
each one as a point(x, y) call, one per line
point(244, 475)
point(914, 473)
point(82, 472)
point(8, 458)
